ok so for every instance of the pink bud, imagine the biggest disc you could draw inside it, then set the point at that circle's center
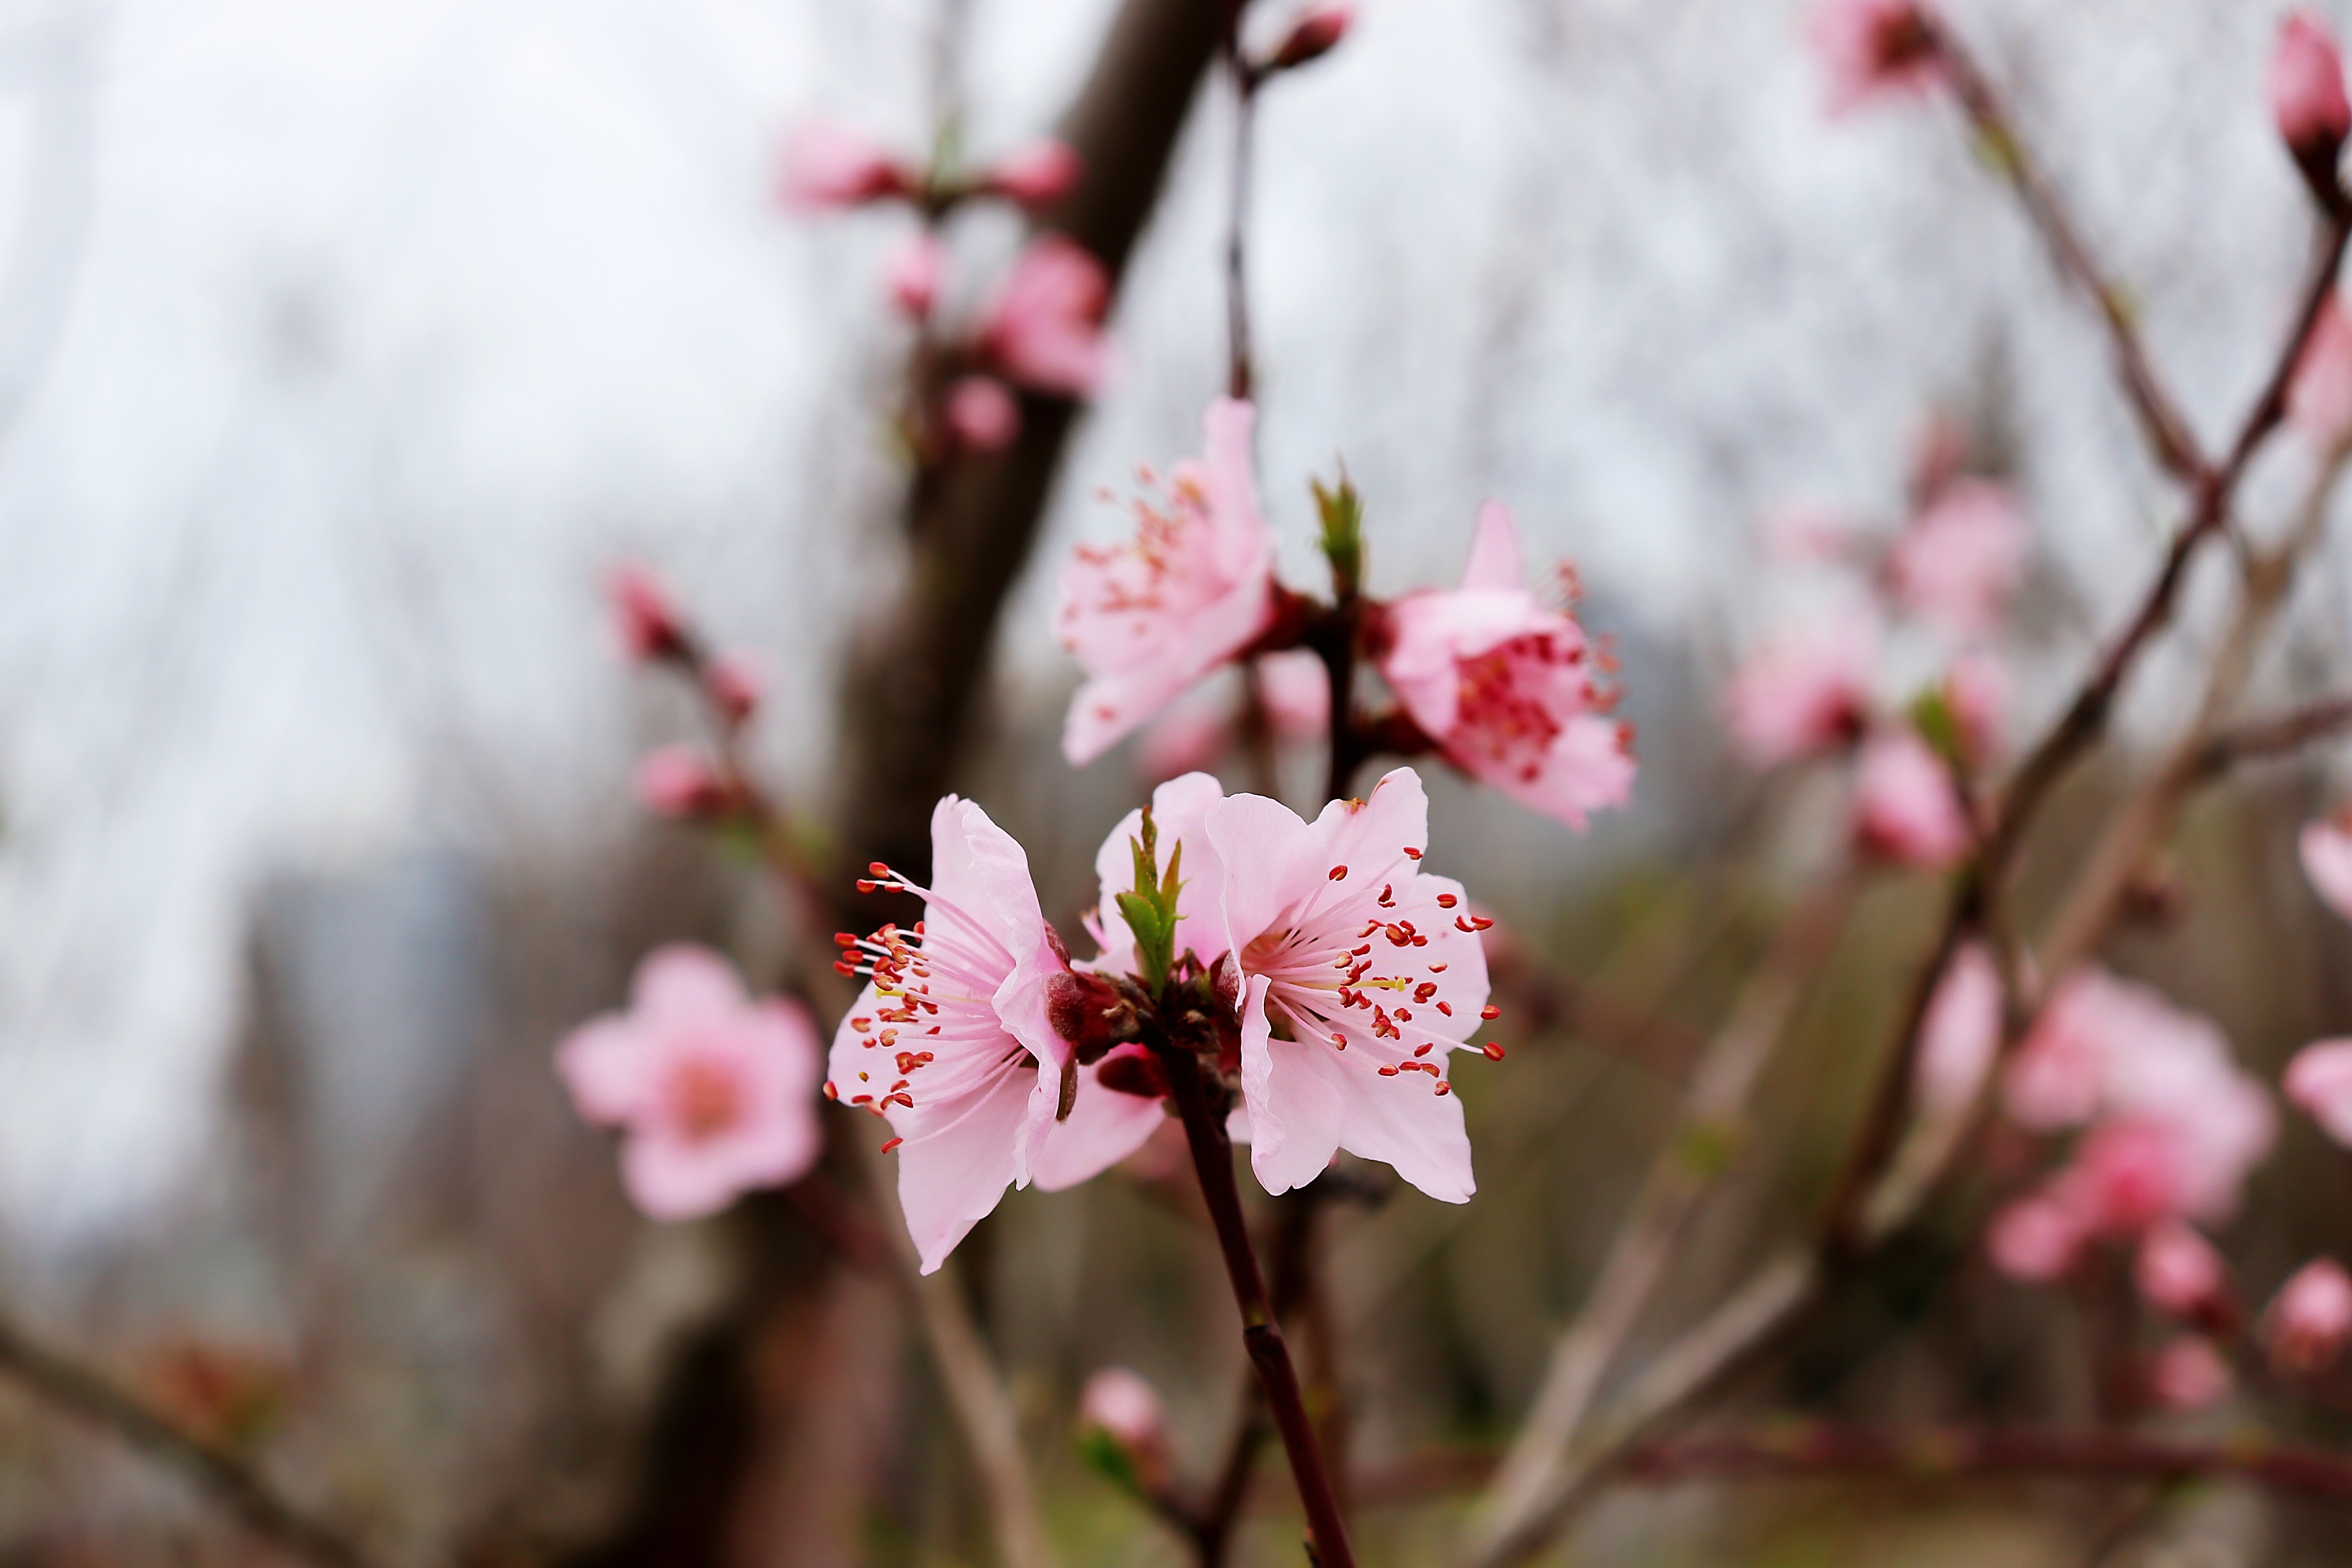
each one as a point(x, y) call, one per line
point(1124, 1408)
point(1037, 175)
point(2319, 398)
point(677, 780)
point(734, 684)
point(649, 623)
point(1317, 33)
point(1872, 48)
point(1296, 688)
point(2319, 1084)
point(2307, 95)
point(2178, 1269)
point(2188, 1373)
point(2310, 1318)
point(1960, 1035)
point(981, 414)
point(2034, 1238)
point(1905, 807)
point(827, 165)
point(915, 273)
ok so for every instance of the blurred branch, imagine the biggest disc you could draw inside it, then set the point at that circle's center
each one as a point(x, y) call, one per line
point(221, 1477)
point(1697, 1153)
point(2272, 737)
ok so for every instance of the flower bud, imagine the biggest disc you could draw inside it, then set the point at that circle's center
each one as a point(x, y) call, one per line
point(2319, 395)
point(1088, 1012)
point(1037, 175)
point(1125, 1428)
point(2319, 1084)
point(828, 165)
point(677, 780)
point(1131, 1069)
point(649, 623)
point(733, 683)
point(2176, 1270)
point(2308, 101)
point(2034, 1239)
point(1317, 33)
point(915, 272)
point(2310, 1318)
point(2188, 1373)
point(981, 414)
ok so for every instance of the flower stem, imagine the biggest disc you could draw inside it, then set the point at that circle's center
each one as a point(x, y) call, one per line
point(1212, 1159)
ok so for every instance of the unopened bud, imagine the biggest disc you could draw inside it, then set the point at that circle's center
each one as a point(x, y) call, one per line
point(2188, 1373)
point(915, 273)
point(1125, 1428)
point(677, 780)
point(2310, 1318)
point(2308, 101)
point(1089, 1012)
point(649, 623)
point(2177, 1269)
point(1037, 175)
point(1131, 1069)
point(829, 165)
point(1318, 34)
point(733, 684)
point(981, 414)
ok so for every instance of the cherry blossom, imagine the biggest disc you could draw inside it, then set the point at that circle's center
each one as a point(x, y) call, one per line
point(1038, 174)
point(1873, 48)
point(2319, 1083)
point(1506, 686)
point(2188, 1373)
point(950, 1040)
point(1960, 1034)
point(2310, 1318)
point(1805, 690)
point(2319, 398)
point(981, 414)
point(1043, 328)
point(712, 1089)
point(827, 165)
point(2034, 1239)
point(1117, 1408)
point(2177, 1269)
point(1905, 807)
point(2306, 88)
point(2326, 849)
point(1958, 560)
point(1148, 618)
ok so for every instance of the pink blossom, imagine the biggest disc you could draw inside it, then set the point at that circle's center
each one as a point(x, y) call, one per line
point(827, 165)
point(1038, 174)
point(679, 781)
point(711, 1088)
point(1961, 1032)
point(1148, 618)
point(644, 613)
point(2126, 1173)
point(1506, 686)
point(1043, 328)
point(916, 271)
point(2319, 1084)
point(1188, 739)
point(2176, 1270)
point(2319, 398)
point(1959, 560)
point(735, 684)
point(950, 1041)
point(2188, 1373)
point(1127, 1410)
point(2306, 88)
point(1873, 48)
point(2034, 1239)
point(1297, 690)
point(1906, 808)
point(1371, 967)
point(1804, 691)
point(2310, 1318)
point(1316, 34)
point(981, 414)
point(2324, 847)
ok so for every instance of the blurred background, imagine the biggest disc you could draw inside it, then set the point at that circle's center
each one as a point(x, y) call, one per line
point(345, 347)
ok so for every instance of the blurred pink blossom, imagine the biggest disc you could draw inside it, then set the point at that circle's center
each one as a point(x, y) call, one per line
point(644, 613)
point(982, 413)
point(2034, 1238)
point(1960, 1035)
point(2308, 1321)
point(1316, 34)
point(915, 273)
point(828, 165)
point(2325, 846)
point(1188, 738)
point(1801, 531)
point(2176, 1270)
point(1297, 690)
point(1804, 691)
point(1126, 1409)
point(735, 684)
point(1957, 561)
point(1043, 328)
point(951, 1042)
point(2319, 398)
point(679, 781)
point(2306, 88)
point(2319, 1083)
point(1038, 174)
point(1906, 809)
point(2188, 1373)
point(1148, 618)
point(713, 1092)
point(1505, 686)
point(1197, 730)
point(1872, 48)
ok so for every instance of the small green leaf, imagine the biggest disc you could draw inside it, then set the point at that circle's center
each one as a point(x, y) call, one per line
point(1932, 716)
point(1342, 539)
point(1103, 1454)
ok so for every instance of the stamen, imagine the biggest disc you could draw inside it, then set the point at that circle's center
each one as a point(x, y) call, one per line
point(1493, 1052)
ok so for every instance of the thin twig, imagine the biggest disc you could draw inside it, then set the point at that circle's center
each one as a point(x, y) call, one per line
point(2272, 737)
point(221, 1477)
point(1241, 375)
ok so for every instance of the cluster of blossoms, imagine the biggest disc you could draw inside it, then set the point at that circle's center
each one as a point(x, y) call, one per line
point(681, 780)
point(1815, 685)
point(1494, 676)
point(1039, 328)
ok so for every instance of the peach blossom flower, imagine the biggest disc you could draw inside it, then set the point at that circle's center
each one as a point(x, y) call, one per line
point(1043, 328)
point(915, 273)
point(1958, 560)
point(1805, 690)
point(1906, 808)
point(2319, 398)
point(2310, 1318)
point(735, 683)
point(2319, 1084)
point(2306, 88)
point(1961, 1032)
point(679, 781)
point(981, 414)
point(1194, 586)
point(712, 1089)
point(1506, 686)
point(1873, 48)
point(643, 614)
point(2034, 1239)
point(950, 1040)
point(2176, 1270)
point(827, 165)
point(2188, 1373)
point(1038, 174)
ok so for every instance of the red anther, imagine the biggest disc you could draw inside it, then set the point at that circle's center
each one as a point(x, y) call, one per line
point(1413, 854)
point(845, 939)
point(892, 1144)
point(1399, 936)
point(866, 887)
point(1437, 969)
point(1424, 991)
point(1444, 1087)
point(1340, 1040)
point(831, 1092)
point(1481, 922)
point(1404, 1015)
point(842, 966)
point(1359, 951)
point(1419, 939)
point(1422, 1049)
point(1490, 1012)
point(861, 1099)
point(1444, 1009)
point(1388, 895)
point(1388, 1072)
point(1338, 873)
point(1493, 1053)
point(861, 1024)
point(1460, 923)
point(1447, 900)
point(876, 868)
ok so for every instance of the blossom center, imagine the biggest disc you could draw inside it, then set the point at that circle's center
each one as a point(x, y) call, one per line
point(706, 1098)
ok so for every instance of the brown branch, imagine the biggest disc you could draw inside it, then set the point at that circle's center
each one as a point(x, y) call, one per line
point(222, 1478)
point(2272, 737)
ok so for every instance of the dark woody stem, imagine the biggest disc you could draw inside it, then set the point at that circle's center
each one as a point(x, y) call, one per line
point(1212, 1159)
point(1241, 375)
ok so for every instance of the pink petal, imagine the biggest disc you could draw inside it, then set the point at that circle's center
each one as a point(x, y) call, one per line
point(2326, 849)
point(605, 1064)
point(1961, 1033)
point(684, 980)
point(669, 1178)
point(1103, 1128)
point(1296, 1112)
point(1494, 557)
point(1179, 815)
point(952, 1176)
point(2319, 1082)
